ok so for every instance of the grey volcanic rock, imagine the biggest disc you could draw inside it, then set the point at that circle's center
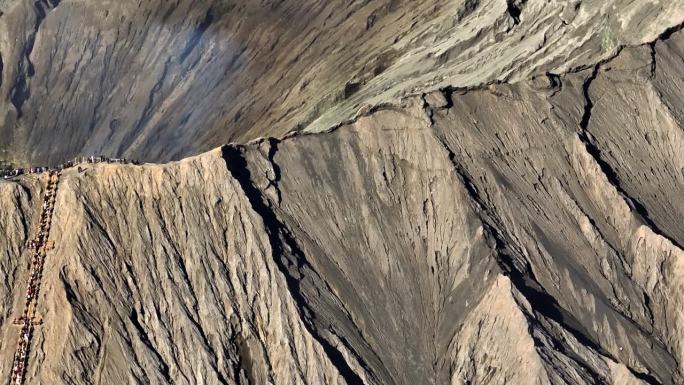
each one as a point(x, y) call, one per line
point(158, 80)
point(520, 233)
point(516, 219)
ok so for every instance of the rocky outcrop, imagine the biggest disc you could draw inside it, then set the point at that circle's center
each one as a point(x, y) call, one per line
point(157, 80)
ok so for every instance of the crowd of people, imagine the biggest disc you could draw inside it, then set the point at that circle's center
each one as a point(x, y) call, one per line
point(7, 174)
point(38, 247)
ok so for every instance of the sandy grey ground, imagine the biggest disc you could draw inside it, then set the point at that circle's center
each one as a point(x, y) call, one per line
point(159, 80)
point(508, 234)
point(520, 231)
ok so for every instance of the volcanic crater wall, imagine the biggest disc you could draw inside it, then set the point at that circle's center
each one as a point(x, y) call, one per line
point(506, 234)
point(161, 80)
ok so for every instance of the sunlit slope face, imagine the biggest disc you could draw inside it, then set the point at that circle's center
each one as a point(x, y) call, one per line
point(159, 80)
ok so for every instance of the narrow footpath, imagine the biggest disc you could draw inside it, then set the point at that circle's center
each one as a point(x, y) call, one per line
point(38, 248)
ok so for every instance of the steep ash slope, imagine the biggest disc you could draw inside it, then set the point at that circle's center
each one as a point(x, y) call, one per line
point(159, 293)
point(502, 235)
point(16, 223)
point(384, 232)
point(159, 80)
point(408, 256)
point(595, 202)
point(183, 274)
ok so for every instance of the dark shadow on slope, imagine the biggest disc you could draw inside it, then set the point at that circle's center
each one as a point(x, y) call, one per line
point(288, 257)
point(145, 339)
point(547, 306)
point(613, 178)
point(196, 36)
point(514, 10)
point(20, 91)
point(523, 279)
